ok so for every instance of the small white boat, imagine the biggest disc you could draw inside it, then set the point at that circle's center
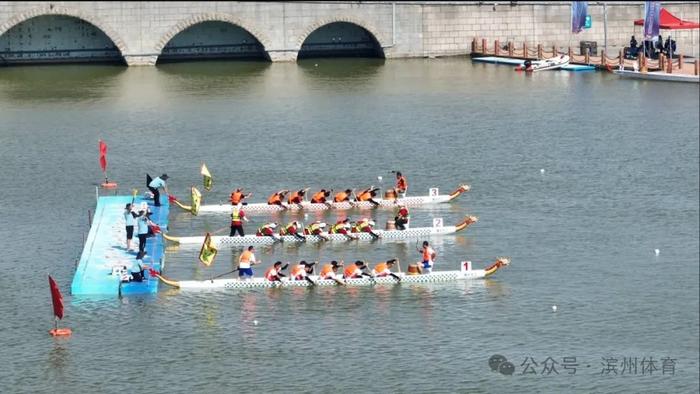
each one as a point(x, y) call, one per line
point(552, 63)
point(417, 232)
point(465, 273)
point(433, 197)
point(658, 76)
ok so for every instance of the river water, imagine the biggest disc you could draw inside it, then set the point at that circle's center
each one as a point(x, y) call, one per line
point(620, 179)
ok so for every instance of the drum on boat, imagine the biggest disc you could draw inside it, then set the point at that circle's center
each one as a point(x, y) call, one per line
point(390, 194)
point(413, 269)
point(390, 225)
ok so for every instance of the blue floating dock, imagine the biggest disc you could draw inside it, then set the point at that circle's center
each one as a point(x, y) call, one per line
point(105, 248)
point(516, 62)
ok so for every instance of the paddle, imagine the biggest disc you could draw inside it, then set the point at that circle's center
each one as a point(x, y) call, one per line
point(226, 273)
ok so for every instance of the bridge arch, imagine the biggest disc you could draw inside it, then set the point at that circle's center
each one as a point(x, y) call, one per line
point(372, 40)
point(182, 26)
point(53, 10)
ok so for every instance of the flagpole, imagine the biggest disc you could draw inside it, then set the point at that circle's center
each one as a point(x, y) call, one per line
point(605, 27)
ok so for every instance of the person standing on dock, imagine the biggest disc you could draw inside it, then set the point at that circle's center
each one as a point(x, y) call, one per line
point(245, 262)
point(129, 221)
point(237, 197)
point(237, 218)
point(401, 185)
point(429, 256)
point(155, 185)
point(142, 223)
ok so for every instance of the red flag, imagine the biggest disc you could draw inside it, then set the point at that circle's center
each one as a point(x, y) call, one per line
point(57, 298)
point(103, 156)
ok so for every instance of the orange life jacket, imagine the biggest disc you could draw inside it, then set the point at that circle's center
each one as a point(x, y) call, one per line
point(246, 256)
point(326, 271)
point(364, 196)
point(269, 274)
point(340, 197)
point(381, 267)
point(295, 198)
point(352, 271)
point(298, 272)
point(401, 184)
point(274, 199)
point(428, 253)
point(236, 197)
point(319, 197)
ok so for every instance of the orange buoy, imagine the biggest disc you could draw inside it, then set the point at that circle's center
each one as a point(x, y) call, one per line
point(60, 332)
point(109, 185)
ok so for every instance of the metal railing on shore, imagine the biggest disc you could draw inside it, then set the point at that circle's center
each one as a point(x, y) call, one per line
point(642, 63)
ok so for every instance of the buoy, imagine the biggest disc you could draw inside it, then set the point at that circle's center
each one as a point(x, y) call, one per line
point(315, 64)
point(60, 332)
point(657, 251)
point(541, 170)
point(255, 322)
point(109, 185)
point(306, 216)
point(554, 308)
point(379, 178)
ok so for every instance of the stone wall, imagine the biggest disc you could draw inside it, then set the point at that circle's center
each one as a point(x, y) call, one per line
point(140, 30)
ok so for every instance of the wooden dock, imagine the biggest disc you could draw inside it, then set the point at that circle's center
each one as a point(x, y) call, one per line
point(642, 63)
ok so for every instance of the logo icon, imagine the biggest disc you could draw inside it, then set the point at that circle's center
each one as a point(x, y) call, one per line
point(501, 364)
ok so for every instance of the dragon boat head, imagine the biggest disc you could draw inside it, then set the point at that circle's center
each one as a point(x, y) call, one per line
point(468, 220)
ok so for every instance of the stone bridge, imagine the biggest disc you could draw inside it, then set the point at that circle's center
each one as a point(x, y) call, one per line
point(142, 33)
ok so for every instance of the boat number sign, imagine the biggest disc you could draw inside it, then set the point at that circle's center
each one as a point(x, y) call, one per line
point(437, 222)
point(433, 192)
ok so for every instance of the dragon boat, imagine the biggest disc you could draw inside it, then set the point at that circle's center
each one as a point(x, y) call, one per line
point(465, 273)
point(433, 197)
point(383, 234)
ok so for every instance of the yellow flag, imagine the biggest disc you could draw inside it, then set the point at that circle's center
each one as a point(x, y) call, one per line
point(207, 177)
point(208, 252)
point(196, 200)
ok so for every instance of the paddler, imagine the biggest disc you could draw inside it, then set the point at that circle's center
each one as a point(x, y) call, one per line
point(297, 197)
point(302, 271)
point(330, 271)
point(356, 270)
point(268, 230)
point(344, 227)
point(401, 185)
point(293, 228)
point(429, 256)
point(401, 218)
point(321, 196)
point(274, 273)
point(365, 226)
point(343, 196)
point(245, 262)
point(278, 198)
point(316, 228)
point(237, 218)
point(368, 195)
point(155, 185)
point(237, 197)
point(384, 269)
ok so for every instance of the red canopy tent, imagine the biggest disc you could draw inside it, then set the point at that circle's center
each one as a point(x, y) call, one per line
point(669, 21)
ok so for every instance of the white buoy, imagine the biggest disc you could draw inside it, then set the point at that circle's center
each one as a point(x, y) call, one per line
point(306, 216)
point(554, 308)
point(255, 322)
point(379, 178)
point(315, 64)
point(541, 170)
point(657, 251)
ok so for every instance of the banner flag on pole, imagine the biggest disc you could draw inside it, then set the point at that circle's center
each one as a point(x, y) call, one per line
point(208, 252)
point(579, 11)
point(207, 177)
point(652, 11)
point(103, 156)
point(56, 298)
